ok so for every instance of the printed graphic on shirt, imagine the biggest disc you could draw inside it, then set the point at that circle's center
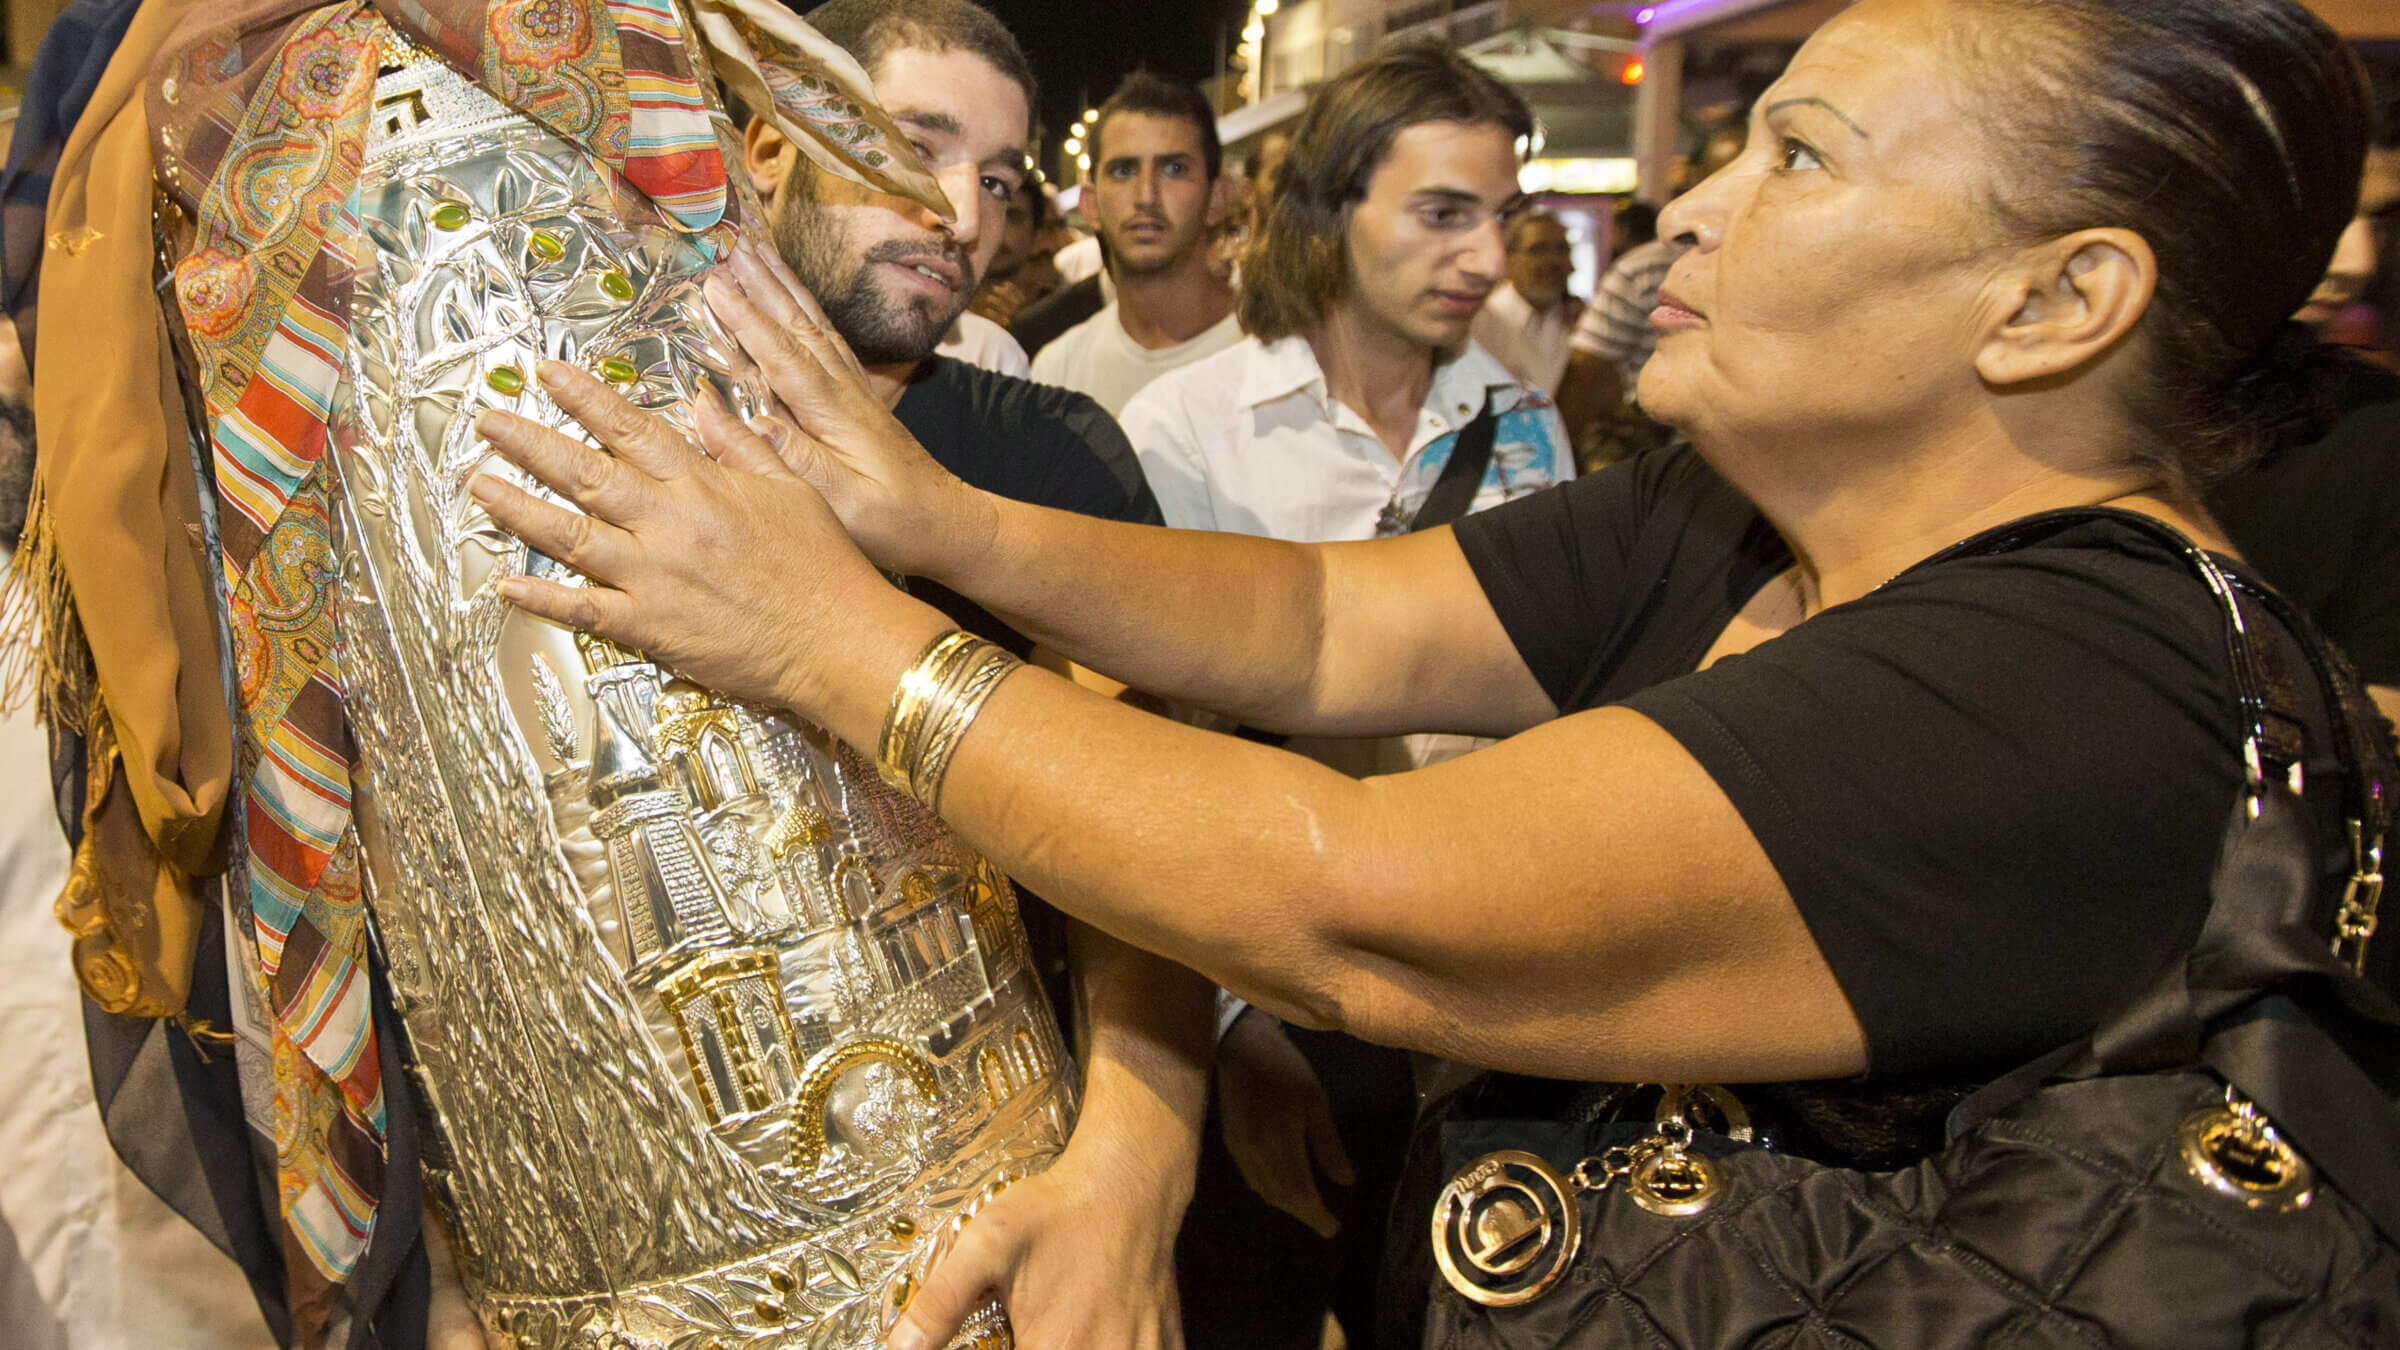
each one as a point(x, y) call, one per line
point(1526, 458)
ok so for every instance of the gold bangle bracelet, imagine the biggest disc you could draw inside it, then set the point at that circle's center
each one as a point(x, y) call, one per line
point(894, 749)
point(919, 693)
point(937, 699)
point(908, 698)
point(941, 742)
point(949, 680)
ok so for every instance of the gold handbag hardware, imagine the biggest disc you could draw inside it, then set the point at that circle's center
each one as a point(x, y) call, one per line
point(1507, 1226)
point(2235, 1151)
point(2355, 923)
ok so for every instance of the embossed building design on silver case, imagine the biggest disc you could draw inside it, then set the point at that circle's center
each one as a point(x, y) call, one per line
point(722, 1038)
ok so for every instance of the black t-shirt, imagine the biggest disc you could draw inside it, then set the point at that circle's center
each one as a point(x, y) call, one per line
point(1995, 787)
point(2322, 524)
point(1027, 442)
point(1030, 443)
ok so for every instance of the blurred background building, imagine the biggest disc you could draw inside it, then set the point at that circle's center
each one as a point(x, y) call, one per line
point(1626, 91)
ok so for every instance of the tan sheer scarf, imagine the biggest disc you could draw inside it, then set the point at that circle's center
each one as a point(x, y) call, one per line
point(115, 557)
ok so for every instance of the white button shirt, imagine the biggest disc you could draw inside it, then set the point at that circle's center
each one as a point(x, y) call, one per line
point(1248, 440)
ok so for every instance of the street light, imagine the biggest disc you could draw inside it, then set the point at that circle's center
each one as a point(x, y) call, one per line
point(1091, 115)
point(1253, 31)
point(1267, 7)
point(1074, 145)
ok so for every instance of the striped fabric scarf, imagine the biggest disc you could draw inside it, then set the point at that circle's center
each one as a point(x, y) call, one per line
point(263, 291)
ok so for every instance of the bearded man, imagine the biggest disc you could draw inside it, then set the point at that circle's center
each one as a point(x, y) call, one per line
point(891, 278)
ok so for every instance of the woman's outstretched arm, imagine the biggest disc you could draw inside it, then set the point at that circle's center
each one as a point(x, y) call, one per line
point(1580, 901)
point(1345, 639)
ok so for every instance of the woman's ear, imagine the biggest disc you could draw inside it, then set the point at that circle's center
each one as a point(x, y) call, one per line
point(767, 156)
point(2066, 302)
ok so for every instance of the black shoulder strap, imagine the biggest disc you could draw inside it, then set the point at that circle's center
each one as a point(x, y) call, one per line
point(2264, 701)
point(2250, 999)
point(1454, 491)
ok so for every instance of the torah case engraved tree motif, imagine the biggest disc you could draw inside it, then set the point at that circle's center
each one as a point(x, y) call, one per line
point(720, 1037)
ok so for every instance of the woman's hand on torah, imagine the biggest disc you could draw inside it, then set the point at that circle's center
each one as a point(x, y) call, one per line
point(905, 510)
point(725, 566)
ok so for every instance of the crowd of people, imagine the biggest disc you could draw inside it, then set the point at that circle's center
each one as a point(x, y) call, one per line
point(1536, 694)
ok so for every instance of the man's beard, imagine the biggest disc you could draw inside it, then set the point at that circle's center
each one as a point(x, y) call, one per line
point(880, 332)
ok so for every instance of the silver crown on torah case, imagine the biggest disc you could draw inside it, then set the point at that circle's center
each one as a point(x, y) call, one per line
point(721, 1039)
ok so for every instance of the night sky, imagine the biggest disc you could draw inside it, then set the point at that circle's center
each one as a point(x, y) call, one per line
point(1081, 48)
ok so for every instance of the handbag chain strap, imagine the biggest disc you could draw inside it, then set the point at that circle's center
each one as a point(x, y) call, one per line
point(2360, 899)
point(1508, 1226)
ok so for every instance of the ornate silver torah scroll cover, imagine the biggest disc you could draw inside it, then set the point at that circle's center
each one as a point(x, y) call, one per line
point(721, 1038)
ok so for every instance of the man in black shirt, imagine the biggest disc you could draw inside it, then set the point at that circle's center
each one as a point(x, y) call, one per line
point(1026, 441)
point(891, 277)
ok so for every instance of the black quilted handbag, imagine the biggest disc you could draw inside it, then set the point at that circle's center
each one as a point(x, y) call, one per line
point(2218, 1165)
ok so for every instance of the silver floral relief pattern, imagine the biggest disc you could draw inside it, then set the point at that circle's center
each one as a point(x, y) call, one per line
point(720, 1036)
point(440, 959)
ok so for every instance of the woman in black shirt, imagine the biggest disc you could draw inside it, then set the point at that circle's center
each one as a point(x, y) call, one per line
point(1776, 803)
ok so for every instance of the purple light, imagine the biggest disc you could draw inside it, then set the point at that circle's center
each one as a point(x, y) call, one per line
point(1645, 14)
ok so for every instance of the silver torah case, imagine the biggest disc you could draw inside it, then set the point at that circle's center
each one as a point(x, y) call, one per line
point(720, 1039)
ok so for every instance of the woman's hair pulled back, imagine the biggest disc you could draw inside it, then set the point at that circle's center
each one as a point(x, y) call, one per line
point(2228, 134)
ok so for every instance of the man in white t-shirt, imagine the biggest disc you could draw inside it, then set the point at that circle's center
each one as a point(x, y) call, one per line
point(1156, 197)
point(978, 341)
